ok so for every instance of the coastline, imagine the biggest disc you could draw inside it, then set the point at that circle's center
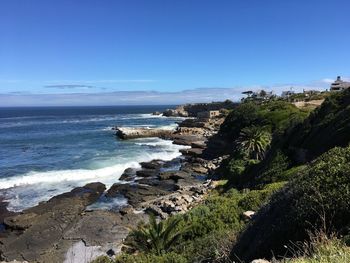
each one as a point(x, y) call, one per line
point(160, 187)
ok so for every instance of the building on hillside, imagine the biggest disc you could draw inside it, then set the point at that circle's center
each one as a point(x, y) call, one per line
point(208, 114)
point(286, 94)
point(262, 95)
point(340, 85)
point(309, 93)
point(259, 95)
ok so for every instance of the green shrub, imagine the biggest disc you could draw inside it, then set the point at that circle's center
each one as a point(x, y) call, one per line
point(214, 247)
point(316, 199)
point(155, 237)
point(254, 199)
point(326, 127)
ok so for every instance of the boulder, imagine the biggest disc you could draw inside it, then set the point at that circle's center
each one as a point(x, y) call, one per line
point(248, 214)
point(260, 261)
point(129, 174)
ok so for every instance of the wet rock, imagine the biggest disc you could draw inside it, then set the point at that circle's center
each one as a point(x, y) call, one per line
point(155, 164)
point(129, 174)
point(147, 173)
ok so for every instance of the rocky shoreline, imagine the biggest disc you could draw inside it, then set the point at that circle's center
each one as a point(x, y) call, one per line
point(63, 229)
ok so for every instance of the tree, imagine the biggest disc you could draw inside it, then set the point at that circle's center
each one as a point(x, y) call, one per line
point(155, 237)
point(254, 141)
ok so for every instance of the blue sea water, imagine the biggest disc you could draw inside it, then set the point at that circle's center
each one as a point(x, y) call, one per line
point(48, 151)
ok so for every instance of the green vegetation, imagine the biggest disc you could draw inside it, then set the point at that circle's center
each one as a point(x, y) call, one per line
point(253, 142)
point(207, 231)
point(328, 126)
point(290, 165)
point(155, 237)
point(318, 198)
point(323, 250)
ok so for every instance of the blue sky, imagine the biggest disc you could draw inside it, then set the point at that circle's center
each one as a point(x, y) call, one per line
point(165, 51)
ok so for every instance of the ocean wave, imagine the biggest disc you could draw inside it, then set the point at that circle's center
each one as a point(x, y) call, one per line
point(23, 191)
point(62, 120)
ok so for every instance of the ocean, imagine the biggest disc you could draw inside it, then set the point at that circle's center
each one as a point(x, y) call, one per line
point(46, 151)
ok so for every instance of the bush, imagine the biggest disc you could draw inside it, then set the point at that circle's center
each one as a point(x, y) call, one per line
point(326, 127)
point(210, 227)
point(316, 199)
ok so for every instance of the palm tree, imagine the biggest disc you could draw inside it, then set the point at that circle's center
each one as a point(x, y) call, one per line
point(155, 237)
point(254, 141)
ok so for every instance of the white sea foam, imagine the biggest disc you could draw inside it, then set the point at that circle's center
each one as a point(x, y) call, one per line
point(29, 189)
point(85, 119)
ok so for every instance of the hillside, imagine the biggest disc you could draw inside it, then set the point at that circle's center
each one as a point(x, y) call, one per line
point(285, 181)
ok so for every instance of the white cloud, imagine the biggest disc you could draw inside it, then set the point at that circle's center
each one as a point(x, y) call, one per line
point(91, 97)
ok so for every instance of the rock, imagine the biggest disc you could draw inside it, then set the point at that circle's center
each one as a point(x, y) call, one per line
point(248, 214)
point(126, 210)
point(167, 206)
point(129, 174)
point(193, 123)
point(197, 168)
point(14, 261)
point(178, 112)
point(3, 210)
point(147, 173)
point(110, 252)
point(198, 189)
point(192, 151)
point(46, 224)
point(155, 164)
point(136, 194)
point(199, 144)
point(185, 139)
point(260, 261)
point(173, 175)
point(156, 113)
point(155, 210)
point(20, 222)
point(133, 133)
point(188, 198)
point(167, 185)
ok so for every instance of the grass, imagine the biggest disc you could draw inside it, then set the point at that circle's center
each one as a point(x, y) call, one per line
point(323, 250)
